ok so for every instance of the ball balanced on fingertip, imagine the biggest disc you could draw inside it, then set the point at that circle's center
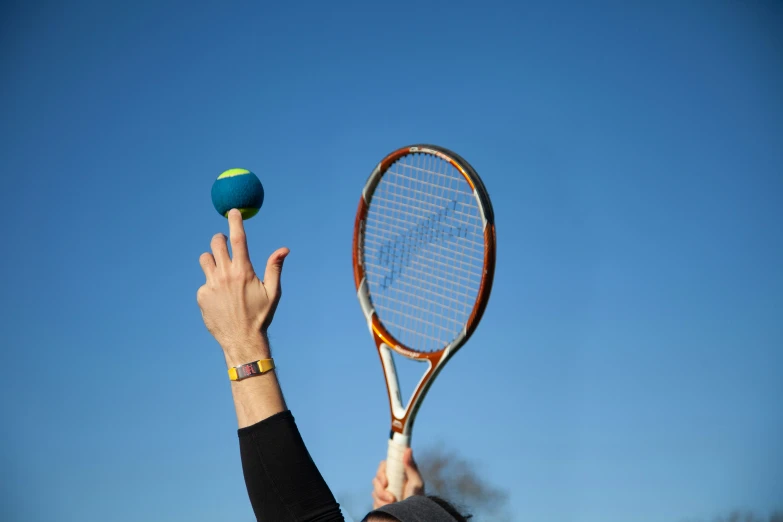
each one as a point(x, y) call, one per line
point(239, 189)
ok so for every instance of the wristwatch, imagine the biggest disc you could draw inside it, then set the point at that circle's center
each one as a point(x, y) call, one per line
point(250, 369)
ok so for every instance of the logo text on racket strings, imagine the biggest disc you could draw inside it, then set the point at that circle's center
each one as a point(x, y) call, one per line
point(396, 253)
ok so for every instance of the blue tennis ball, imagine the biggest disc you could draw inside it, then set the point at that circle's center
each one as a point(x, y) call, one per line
point(239, 189)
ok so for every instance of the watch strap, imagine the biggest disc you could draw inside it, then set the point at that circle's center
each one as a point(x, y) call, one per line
point(244, 371)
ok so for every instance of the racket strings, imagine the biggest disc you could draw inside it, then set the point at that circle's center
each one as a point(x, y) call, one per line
point(423, 251)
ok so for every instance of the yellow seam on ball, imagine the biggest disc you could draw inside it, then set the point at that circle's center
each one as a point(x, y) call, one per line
point(247, 213)
point(233, 172)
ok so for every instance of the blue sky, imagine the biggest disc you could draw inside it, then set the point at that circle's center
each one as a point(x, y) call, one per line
point(630, 363)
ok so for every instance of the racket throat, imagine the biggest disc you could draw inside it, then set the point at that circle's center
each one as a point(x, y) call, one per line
point(403, 415)
point(399, 412)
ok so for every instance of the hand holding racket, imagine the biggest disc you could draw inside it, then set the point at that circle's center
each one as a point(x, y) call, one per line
point(413, 484)
point(424, 260)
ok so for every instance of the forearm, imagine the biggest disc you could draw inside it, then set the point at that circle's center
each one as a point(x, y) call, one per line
point(282, 480)
point(259, 397)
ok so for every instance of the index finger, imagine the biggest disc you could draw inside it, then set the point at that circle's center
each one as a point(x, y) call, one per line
point(236, 229)
point(381, 474)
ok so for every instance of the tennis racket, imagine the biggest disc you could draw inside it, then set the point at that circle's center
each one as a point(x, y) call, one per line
point(424, 259)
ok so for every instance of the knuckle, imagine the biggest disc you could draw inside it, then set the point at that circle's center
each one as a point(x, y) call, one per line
point(238, 273)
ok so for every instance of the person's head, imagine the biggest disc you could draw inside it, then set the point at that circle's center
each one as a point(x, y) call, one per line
point(435, 509)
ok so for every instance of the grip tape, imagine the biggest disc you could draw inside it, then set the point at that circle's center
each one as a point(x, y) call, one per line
point(395, 470)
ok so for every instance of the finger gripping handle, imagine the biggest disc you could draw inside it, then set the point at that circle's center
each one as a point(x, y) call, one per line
point(395, 471)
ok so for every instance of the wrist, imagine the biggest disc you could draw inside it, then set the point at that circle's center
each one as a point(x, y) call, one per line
point(241, 352)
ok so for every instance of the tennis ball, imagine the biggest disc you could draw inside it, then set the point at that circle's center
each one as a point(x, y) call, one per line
point(239, 189)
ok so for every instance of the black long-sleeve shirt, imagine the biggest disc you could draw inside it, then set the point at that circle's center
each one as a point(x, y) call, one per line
point(282, 480)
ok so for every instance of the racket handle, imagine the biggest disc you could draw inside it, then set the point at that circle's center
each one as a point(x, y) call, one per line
point(395, 470)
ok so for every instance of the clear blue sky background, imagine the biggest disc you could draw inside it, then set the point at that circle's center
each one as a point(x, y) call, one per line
point(630, 364)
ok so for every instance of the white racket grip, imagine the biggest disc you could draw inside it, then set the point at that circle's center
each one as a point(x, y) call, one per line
point(395, 470)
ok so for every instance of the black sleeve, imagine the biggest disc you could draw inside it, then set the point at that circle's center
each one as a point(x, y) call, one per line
point(282, 480)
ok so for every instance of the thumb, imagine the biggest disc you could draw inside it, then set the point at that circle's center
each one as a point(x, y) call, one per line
point(274, 267)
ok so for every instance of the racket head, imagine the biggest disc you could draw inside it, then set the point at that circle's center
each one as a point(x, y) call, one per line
point(424, 251)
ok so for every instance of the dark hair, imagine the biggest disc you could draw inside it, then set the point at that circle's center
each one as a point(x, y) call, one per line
point(381, 517)
point(451, 510)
